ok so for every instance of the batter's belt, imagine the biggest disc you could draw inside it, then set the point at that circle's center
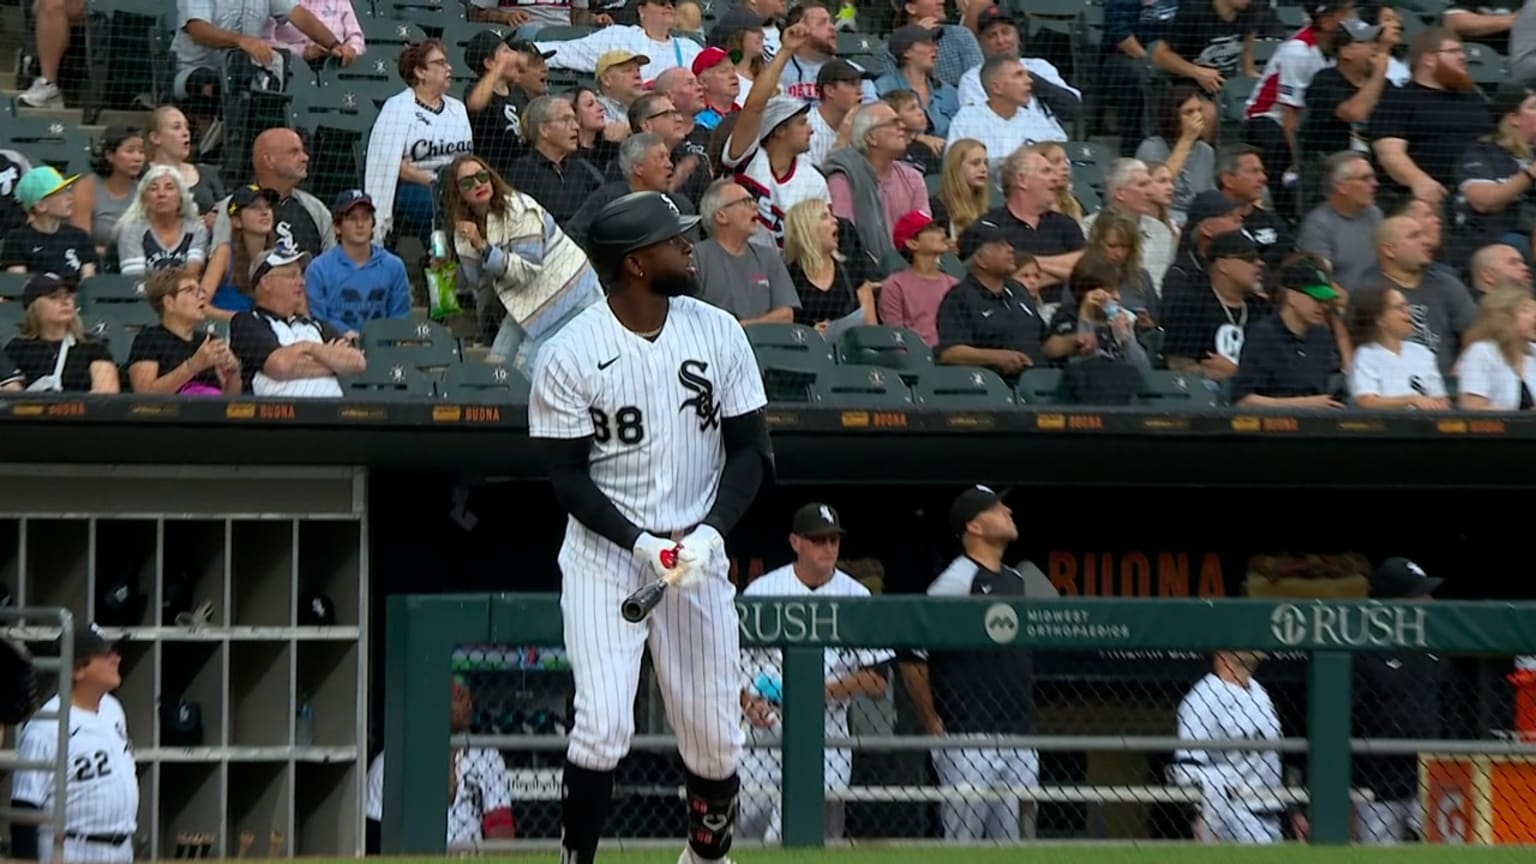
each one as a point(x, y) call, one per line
point(103, 839)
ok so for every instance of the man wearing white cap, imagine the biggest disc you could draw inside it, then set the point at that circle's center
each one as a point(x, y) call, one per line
point(282, 351)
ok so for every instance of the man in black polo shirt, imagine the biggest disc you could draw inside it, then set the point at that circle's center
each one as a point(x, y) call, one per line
point(988, 319)
point(1028, 218)
point(979, 693)
point(1288, 356)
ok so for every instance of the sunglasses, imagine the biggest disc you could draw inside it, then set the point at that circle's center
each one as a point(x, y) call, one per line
point(473, 180)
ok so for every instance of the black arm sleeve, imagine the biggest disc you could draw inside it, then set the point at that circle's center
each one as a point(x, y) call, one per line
point(24, 834)
point(748, 460)
point(1063, 102)
point(373, 836)
point(579, 496)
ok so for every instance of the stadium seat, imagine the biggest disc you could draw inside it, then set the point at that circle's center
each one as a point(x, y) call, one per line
point(952, 266)
point(123, 46)
point(891, 347)
point(385, 37)
point(1038, 387)
point(351, 90)
point(11, 314)
point(961, 387)
point(791, 338)
point(788, 375)
point(1090, 160)
point(424, 344)
point(562, 33)
point(1485, 65)
point(388, 382)
point(12, 285)
point(117, 324)
point(860, 387)
point(338, 122)
point(1164, 390)
point(111, 288)
point(483, 384)
point(859, 43)
point(50, 142)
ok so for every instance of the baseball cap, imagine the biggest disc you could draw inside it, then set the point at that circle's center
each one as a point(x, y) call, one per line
point(736, 20)
point(778, 111)
point(90, 642)
point(1356, 30)
point(841, 71)
point(1233, 244)
point(39, 183)
point(1323, 7)
point(245, 196)
point(480, 48)
point(911, 225)
point(609, 59)
point(279, 257)
point(816, 520)
point(1309, 279)
point(1400, 577)
point(345, 201)
point(43, 285)
point(1209, 204)
point(908, 35)
point(526, 46)
point(1508, 99)
point(993, 15)
point(979, 234)
point(635, 221)
point(709, 58)
point(970, 504)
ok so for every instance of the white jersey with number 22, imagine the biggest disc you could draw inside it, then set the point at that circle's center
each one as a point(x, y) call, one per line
point(102, 788)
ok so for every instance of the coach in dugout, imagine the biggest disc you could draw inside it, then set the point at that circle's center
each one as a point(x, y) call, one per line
point(102, 793)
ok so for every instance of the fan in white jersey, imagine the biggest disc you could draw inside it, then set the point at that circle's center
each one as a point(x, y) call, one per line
point(479, 787)
point(1389, 370)
point(649, 408)
point(816, 535)
point(1239, 788)
point(418, 132)
point(768, 145)
point(101, 807)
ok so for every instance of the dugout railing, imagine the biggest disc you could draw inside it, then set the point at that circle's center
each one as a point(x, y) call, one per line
point(28, 624)
point(423, 633)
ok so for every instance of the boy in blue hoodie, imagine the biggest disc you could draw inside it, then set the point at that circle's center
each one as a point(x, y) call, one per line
point(356, 281)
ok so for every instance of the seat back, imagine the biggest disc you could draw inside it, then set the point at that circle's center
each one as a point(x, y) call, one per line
point(117, 324)
point(856, 387)
point(961, 387)
point(788, 338)
point(112, 288)
point(424, 344)
point(889, 347)
point(388, 379)
point(1038, 387)
point(483, 384)
point(1165, 390)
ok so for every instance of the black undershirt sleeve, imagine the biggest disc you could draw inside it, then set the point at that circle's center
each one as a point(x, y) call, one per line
point(748, 460)
point(574, 489)
point(24, 834)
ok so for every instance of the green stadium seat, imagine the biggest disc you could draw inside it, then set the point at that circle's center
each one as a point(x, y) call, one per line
point(50, 142)
point(1038, 387)
point(483, 384)
point(11, 314)
point(860, 387)
point(111, 288)
point(962, 388)
point(789, 375)
point(891, 347)
point(12, 285)
point(792, 338)
point(356, 90)
point(859, 43)
point(1164, 390)
point(562, 33)
point(123, 46)
point(1090, 160)
point(385, 36)
point(385, 381)
point(952, 266)
point(117, 324)
point(423, 344)
point(338, 120)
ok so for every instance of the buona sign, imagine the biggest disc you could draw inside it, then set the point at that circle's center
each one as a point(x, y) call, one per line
point(1338, 626)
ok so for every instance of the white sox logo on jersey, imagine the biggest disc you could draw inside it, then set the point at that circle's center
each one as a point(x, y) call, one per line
point(691, 376)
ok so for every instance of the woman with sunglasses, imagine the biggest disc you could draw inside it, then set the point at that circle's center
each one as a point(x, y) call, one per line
point(530, 279)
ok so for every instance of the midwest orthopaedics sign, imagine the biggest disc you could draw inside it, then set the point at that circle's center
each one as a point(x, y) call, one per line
point(1350, 626)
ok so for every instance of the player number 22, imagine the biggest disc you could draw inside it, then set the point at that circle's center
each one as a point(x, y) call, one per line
point(627, 424)
point(92, 766)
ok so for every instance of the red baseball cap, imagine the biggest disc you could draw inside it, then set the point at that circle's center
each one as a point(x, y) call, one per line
point(709, 58)
point(909, 226)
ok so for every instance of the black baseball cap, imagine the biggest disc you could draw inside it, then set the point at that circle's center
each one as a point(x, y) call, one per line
point(245, 196)
point(90, 642)
point(816, 520)
point(45, 284)
point(526, 46)
point(736, 20)
point(1355, 30)
point(349, 199)
point(970, 504)
point(1210, 204)
point(1398, 578)
point(908, 35)
point(841, 71)
point(1233, 244)
point(994, 15)
point(980, 233)
point(635, 221)
point(480, 48)
point(1307, 278)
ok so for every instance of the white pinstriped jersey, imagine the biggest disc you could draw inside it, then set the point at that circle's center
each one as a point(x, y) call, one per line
point(485, 788)
point(1217, 709)
point(102, 795)
point(653, 408)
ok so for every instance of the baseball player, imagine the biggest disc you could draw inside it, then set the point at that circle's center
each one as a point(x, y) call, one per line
point(479, 787)
point(976, 695)
point(649, 408)
point(1237, 786)
point(101, 811)
point(816, 535)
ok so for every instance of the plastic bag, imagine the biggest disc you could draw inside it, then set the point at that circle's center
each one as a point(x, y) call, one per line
point(442, 291)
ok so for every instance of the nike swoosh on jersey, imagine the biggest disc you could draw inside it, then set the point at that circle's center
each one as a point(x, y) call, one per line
point(604, 365)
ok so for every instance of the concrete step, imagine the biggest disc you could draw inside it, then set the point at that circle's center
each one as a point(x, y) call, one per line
point(110, 117)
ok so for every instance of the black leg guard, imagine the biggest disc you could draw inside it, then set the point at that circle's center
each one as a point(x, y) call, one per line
point(711, 814)
point(584, 798)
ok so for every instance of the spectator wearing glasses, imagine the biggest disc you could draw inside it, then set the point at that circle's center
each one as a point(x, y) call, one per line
point(282, 351)
point(174, 356)
point(869, 184)
point(552, 172)
point(646, 167)
point(1389, 371)
point(738, 273)
point(1341, 230)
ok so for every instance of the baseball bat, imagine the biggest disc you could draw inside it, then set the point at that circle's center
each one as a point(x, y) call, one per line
point(639, 604)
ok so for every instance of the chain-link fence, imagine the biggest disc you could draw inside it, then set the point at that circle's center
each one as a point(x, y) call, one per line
point(1056, 745)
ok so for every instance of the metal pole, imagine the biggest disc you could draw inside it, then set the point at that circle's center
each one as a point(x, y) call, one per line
point(66, 686)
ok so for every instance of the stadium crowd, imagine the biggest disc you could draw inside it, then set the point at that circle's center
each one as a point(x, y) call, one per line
point(1307, 210)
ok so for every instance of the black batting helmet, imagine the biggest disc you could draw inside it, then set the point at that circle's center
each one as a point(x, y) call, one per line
point(634, 221)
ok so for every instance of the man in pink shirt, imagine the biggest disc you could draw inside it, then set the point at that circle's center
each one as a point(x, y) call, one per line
point(869, 183)
point(910, 298)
